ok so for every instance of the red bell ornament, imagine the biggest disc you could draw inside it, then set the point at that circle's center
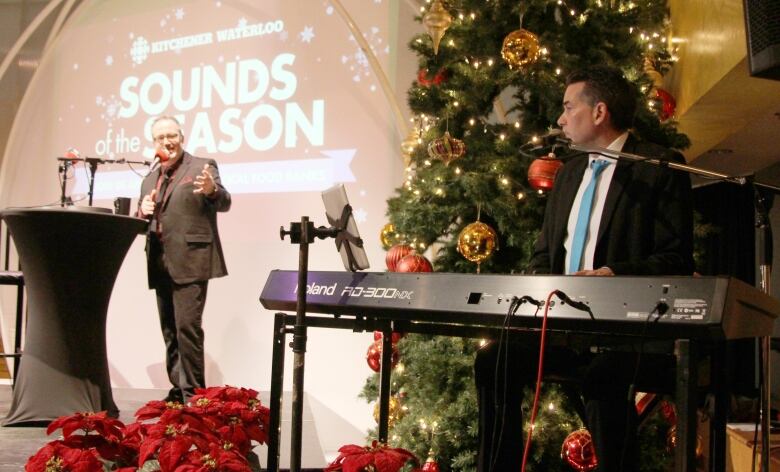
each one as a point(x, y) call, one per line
point(542, 172)
point(395, 254)
point(578, 451)
point(414, 263)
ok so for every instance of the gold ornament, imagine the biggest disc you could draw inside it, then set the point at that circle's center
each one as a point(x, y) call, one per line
point(446, 148)
point(436, 21)
point(395, 410)
point(653, 74)
point(388, 236)
point(477, 242)
point(408, 144)
point(521, 47)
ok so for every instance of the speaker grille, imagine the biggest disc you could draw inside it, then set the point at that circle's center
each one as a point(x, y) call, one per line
point(762, 23)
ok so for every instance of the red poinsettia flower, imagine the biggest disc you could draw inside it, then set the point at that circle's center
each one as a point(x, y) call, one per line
point(228, 393)
point(105, 448)
point(217, 459)
point(58, 457)
point(214, 431)
point(381, 458)
point(99, 423)
point(169, 443)
point(175, 413)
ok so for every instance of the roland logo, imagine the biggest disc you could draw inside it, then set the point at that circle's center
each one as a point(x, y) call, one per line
point(316, 289)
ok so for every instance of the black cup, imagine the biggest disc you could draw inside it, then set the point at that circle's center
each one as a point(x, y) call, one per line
point(121, 206)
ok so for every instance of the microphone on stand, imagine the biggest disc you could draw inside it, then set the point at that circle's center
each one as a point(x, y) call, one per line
point(550, 138)
point(71, 157)
point(73, 153)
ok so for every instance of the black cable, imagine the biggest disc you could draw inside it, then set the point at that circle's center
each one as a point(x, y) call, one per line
point(661, 308)
point(503, 348)
point(502, 351)
point(576, 305)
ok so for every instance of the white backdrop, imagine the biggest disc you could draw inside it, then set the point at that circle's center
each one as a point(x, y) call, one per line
point(280, 94)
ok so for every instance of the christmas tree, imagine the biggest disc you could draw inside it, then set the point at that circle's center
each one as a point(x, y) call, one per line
point(490, 82)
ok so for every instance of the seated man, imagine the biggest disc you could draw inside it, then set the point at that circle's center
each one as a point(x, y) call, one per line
point(604, 217)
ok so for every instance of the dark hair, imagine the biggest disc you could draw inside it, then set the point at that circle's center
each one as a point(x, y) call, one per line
point(607, 84)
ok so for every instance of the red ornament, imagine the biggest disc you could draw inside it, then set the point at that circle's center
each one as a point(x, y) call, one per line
point(578, 451)
point(430, 465)
point(668, 104)
point(542, 171)
point(395, 254)
point(395, 337)
point(438, 78)
point(414, 263)
point(374, 356)
point(668, 412)
point(643, 400)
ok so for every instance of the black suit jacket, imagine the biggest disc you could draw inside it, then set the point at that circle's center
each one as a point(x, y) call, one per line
point(192, 250)
point(647, 223)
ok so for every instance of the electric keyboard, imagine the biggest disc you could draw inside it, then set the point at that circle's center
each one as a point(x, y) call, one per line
point(692, 307)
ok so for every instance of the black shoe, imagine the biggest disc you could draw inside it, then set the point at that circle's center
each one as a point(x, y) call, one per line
point(173, 398)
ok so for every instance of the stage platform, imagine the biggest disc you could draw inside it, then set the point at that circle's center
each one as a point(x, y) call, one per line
point(17, 444)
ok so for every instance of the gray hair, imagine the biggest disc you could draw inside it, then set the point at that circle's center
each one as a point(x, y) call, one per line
point(168, 118)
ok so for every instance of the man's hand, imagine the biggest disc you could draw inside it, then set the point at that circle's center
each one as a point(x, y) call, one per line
point(599, 271)
point(204, 183)
point(147, 204)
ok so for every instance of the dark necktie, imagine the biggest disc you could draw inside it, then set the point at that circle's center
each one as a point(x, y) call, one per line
point(165, 178)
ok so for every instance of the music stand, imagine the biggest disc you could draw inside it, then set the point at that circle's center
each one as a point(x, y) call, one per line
point(349, 244)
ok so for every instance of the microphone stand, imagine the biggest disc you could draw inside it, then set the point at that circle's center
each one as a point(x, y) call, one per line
point(63, 170)
point(765, 265)
point(92, 162)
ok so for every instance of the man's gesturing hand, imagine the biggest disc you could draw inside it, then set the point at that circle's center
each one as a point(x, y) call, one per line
point(147, 204)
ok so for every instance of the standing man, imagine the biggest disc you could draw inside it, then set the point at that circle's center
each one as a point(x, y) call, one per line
point(181, 199)
point(604, 217)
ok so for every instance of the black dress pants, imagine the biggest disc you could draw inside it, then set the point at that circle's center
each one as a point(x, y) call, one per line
point(602, 380)
point(180, 307)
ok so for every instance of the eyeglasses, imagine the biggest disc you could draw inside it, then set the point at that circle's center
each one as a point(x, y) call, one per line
point(171, 137)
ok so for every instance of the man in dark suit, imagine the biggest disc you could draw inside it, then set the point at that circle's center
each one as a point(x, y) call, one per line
point(604, 217)
point(181, 199)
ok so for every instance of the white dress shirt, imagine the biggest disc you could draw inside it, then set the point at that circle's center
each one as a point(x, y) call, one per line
point(599, 197)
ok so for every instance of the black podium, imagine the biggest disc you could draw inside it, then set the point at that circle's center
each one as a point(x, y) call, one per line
point(70, 258)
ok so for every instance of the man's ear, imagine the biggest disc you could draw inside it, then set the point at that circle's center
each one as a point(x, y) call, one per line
point(600, 113)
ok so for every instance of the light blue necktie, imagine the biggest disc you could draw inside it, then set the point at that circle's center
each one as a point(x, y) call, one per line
point(583, 217)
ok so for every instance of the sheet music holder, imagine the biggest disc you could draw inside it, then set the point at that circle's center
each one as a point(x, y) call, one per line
point(348, 242)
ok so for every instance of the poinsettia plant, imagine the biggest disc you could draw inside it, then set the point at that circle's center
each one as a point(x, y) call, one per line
point(375, 458)
point(214, 431)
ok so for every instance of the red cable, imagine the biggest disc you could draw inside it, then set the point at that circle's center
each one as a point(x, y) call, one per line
point(539, 372)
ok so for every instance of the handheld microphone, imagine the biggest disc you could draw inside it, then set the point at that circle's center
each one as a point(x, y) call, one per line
point(163, 155)
point(159, 157)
